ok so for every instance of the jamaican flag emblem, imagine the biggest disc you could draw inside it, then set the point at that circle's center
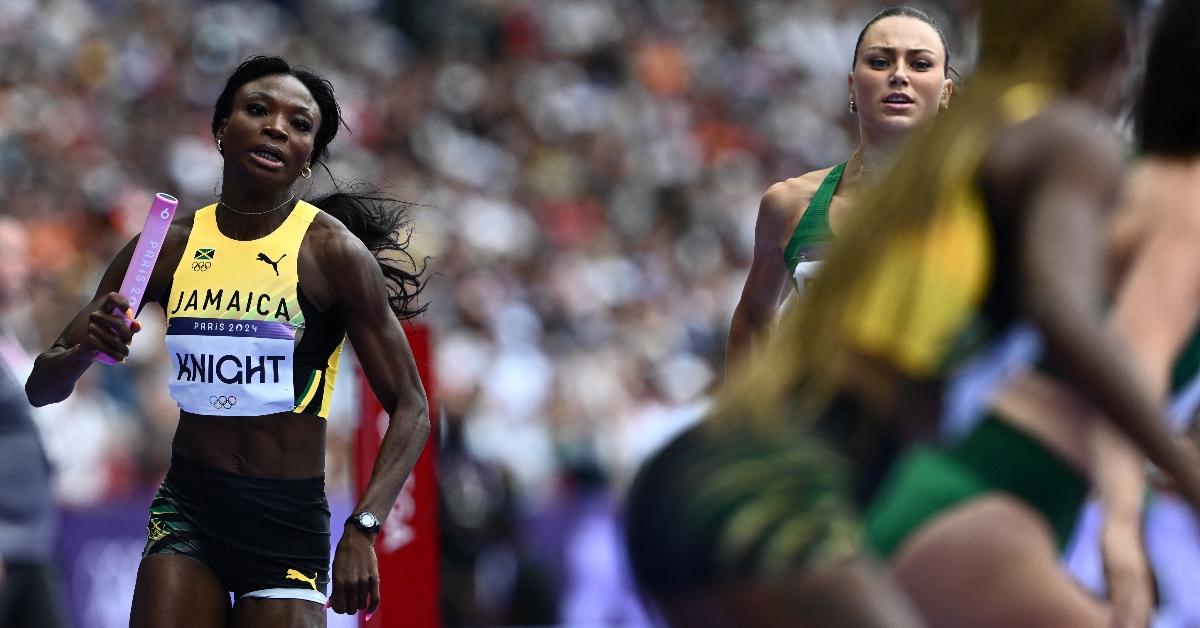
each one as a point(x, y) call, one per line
point(203, 259)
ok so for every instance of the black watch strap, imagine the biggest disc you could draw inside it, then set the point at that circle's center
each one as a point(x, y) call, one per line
point(365, 521)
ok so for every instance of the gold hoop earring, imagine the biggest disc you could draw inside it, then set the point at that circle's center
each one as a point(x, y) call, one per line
point(306, 172)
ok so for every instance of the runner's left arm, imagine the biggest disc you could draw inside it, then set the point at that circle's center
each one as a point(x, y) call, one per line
point(387, 362)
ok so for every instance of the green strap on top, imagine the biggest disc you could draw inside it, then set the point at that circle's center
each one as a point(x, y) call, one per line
point(1187, 365)
point(814, 224)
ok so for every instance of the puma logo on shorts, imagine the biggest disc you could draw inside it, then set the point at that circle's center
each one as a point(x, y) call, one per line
point(292, 574)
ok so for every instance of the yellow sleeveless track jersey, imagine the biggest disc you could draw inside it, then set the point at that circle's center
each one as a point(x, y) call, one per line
point(928, 283)
point(926, 288)
point(243, 339)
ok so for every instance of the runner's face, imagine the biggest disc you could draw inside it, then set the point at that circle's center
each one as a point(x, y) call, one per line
point(271, 128)
point(899, 80)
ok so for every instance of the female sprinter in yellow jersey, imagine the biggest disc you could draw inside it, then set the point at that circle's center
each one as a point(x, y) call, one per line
point(260, 290)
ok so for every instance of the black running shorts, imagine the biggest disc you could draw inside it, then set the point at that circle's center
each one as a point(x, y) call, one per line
point(263, 537)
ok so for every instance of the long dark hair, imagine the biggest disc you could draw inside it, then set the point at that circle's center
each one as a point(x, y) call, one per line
point(1165, 125)
point(380, 221)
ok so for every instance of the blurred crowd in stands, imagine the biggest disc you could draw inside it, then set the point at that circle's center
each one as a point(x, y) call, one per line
point(585, 176)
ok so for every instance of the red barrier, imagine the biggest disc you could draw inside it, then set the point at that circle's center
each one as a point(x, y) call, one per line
point(408, 545)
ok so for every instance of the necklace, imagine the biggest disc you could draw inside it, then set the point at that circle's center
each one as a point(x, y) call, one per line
point(226, 205)
point(862, 164)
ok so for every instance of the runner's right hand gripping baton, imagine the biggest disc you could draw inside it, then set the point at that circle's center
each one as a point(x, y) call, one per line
point(162, 211)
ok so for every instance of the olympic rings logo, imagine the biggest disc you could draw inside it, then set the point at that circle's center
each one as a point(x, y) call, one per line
point(221, 402)
point(201, 266)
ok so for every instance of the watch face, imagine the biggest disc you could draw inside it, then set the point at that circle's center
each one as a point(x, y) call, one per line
point(367, 520)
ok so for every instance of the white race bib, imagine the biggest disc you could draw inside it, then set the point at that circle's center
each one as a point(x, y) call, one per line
point(805, 271)
point(231, 367)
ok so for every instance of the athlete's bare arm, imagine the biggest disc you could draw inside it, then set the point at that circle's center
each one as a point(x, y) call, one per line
point(1057, 176)
point(95, 329)
point(1157, 309)
point(1158, 302)
point(779, 212)
point(350, 279)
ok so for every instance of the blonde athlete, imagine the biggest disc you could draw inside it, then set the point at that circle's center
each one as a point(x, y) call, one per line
point(899, 80)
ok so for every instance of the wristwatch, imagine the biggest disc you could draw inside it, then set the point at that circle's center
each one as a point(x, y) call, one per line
point(365, 521)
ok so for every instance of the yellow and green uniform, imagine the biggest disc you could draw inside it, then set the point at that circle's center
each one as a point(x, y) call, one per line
point(723, 505)
point(244, 340)
point(927, 288)
point(955, 301)
point(720, 505)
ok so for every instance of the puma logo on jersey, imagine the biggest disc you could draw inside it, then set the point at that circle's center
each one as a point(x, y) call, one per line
point(292, 574)
point(262, 257)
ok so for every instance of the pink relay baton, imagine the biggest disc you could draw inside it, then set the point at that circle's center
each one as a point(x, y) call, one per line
point(133, 286)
